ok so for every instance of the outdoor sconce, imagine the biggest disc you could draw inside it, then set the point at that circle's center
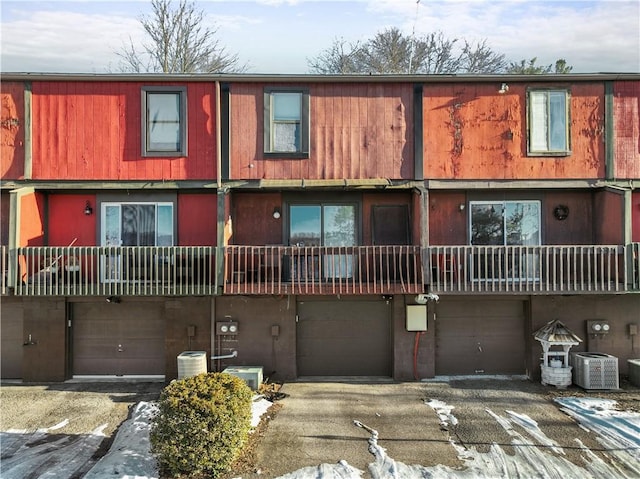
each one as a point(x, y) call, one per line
point(276, 213)
point(504, 88)
point(88, 210)
point(461, 206)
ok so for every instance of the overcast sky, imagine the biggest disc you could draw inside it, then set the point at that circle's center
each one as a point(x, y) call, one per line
point(278, 36)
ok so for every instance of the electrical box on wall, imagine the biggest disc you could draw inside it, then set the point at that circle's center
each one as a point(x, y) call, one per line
point(227, 328)
point(416, 317)
point(598, 326)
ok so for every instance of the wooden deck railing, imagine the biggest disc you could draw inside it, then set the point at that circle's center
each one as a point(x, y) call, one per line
point(534, 269)
point(116, 271)
point(323, 270)
point(191, 270)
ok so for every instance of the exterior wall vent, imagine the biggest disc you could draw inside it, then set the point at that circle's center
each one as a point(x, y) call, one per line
point(595, 370)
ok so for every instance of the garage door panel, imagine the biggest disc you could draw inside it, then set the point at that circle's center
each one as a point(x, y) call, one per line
point(12, 339)
point(343, 338)
point(480, 337)
point(122, 339)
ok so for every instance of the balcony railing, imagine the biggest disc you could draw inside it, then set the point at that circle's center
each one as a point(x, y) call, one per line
point(116, 271)
point(534, 269)
point(191, 270)
point(323, 270)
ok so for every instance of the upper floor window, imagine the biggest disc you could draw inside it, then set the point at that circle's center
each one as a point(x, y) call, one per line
point(164, 121)
point(549, 122)
point(286, 123)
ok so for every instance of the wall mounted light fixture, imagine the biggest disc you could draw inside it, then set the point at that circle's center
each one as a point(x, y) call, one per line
point(504, 88)
point(88, 210)
point(276, 213)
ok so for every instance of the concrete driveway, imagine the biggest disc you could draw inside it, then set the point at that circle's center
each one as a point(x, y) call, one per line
point(451, 426)
point(316, 423)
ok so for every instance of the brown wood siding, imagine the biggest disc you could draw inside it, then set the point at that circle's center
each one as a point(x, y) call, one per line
point(356, 130)
point(447, 224)
point(577, 228)
point(12, 136)
point(609, 217)
point(253, 221)
point(92, 131)
point(473, 132)
point(626, 121)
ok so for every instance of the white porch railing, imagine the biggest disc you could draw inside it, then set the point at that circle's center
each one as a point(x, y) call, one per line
point(115, 271)
point(191, 270)
point(534, 269)
point(323, 270)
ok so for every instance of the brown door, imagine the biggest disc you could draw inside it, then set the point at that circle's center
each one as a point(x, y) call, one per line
point(118, 339)
point(480, 337)
point(344, 338)
point(12, 337)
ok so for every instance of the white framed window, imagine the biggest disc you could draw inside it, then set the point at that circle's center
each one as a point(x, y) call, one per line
point(548, 118)
point(164, 121)
point(137, 224)
point(286, 123)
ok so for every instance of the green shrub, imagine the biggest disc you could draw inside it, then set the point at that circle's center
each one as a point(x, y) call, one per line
point(202, 423)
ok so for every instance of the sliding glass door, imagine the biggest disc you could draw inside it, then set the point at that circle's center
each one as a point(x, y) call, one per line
point(329, 225)
point(505, 223)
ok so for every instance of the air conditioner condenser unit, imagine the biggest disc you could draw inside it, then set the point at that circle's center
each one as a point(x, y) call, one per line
point(595, 370)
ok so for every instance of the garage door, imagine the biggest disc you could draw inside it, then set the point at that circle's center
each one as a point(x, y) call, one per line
point(118, 339)
point(12, 338)
point(480, 337)
point(344, 338)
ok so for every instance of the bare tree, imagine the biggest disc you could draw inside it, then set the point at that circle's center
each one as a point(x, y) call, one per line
point(178, 42)
point(340, 58)
point(529, 67)
point(390, 51)
point(479, 58)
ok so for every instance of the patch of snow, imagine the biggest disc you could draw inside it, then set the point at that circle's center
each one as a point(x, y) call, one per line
point(60, 425)
point(258, 408)
point(536, 455)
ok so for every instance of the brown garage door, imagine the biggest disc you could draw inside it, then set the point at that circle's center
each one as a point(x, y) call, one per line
point(480, 337)
point(12, 338)
point(344, 338)
point(118, 339)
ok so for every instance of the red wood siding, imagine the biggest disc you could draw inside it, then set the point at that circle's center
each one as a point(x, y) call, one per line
point(626, 121)
point(473, 132)
point(12, 136)
point(197, 223)
point(635, 217)
point(92, 131)
point(66, 210)
point(447, 223)
point(356, 131)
